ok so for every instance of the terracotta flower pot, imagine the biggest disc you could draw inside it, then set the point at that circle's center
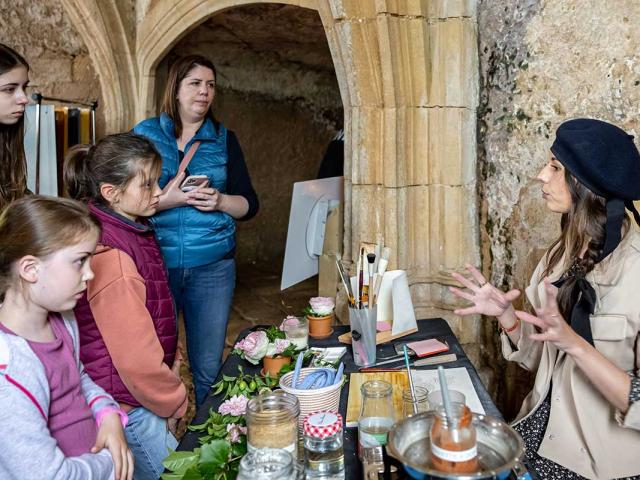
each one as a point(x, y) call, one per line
point(320, 327)
point(272, 365)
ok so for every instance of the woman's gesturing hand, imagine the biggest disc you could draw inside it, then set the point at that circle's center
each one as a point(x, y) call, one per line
point(486, 299)
point(551, 325)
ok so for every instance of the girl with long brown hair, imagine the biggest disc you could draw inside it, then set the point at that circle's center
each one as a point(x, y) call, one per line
point(127, 321)
point(14, 78)
point(582, 418)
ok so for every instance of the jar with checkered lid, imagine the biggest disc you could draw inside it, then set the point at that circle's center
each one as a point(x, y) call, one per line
point(323, 446)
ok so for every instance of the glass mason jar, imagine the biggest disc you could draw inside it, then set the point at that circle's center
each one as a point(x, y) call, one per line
point(421, 403)
point(377, 414)
point(297, 331)
point(323, 446)
point(272, 422)
point(453, 441)
point(267, 464)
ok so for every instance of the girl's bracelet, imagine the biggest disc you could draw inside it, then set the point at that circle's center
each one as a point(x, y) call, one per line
point(124, 418)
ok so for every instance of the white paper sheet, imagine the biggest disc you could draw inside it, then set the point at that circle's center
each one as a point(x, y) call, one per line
point(48, 166)
point(457, 379)
point(394, 301)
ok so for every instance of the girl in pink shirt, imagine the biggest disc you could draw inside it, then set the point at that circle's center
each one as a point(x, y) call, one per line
point(56, 422)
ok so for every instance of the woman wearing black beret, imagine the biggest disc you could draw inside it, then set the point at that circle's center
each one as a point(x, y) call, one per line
point(582, 418)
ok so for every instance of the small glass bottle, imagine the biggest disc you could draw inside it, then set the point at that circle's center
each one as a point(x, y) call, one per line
point(323, 450)
point(453, 441)
point(267, 464)
point(377, 415)
point(421, 403)
point(272, 422)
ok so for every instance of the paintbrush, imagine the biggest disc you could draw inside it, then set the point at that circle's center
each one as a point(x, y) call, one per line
point(371, 258)
point(423, 362)
point(360, 277)
point(382, 267)
point(346, 283)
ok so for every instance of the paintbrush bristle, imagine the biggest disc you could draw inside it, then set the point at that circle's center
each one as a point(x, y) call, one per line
point(386, 253)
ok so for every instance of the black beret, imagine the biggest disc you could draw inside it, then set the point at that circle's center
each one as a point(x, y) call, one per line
point(601, 156)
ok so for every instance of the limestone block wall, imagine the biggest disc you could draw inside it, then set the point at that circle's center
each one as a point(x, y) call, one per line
point(45, 35)
point(541, 62)
point(412, 98)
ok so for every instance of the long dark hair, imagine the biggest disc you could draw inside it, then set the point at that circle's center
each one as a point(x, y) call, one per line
point(13, 164)
point(178, 71)
point(116, 159)
point(583, 224)
point(37, 225)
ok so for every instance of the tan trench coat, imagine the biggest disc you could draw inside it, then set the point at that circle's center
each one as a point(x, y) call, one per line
point(585, 433)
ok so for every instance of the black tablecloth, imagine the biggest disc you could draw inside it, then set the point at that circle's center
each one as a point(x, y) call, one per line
point(435, 327)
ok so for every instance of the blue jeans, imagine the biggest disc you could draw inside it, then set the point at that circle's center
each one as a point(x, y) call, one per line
point(149, 441)
point(204, 295)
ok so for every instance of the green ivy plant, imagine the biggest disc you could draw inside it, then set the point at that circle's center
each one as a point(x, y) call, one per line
point(244, 384)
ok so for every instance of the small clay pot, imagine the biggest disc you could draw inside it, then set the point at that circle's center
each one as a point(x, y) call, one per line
point(320, 327)
point(272, 365)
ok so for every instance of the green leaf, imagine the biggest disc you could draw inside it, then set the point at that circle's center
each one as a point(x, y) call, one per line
point(218, 388)
point(191, 474)
point(179, 462)
point(227, 378)
point(239, 449)
point(216, 452)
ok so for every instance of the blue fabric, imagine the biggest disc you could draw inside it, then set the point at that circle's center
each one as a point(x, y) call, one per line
point(188, 237)
point(149, 441)
point(204, 294)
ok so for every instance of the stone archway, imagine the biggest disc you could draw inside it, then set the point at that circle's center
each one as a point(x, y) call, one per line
point(408, 77)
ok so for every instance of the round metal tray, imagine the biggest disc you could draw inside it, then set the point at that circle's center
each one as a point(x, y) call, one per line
point(500, 448)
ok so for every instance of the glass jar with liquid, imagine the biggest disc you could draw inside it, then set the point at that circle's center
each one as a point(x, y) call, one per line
point(413, 405)
point(268, 464)
point(272, 422)
point(454, 447)
point(323, 446)
point(377, 415)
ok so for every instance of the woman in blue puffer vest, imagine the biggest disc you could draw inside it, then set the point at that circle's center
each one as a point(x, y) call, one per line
point(196, 229)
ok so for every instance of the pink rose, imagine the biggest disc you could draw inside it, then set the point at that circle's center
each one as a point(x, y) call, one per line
point(236, 406)
point(322, 305)
point(277, 347)
point(281, 345)
point(234, 431)
point(290, 321)
point(254, 346)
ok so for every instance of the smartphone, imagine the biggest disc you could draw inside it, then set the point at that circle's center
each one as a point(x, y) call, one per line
point(194, 181)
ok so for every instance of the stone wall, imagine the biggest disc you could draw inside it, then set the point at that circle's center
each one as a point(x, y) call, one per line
point(541, 62)
point(277, 89)
point(60, 64)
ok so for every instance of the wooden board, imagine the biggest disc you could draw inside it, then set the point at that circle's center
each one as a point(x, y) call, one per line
point(381, 337)
point(399, 380)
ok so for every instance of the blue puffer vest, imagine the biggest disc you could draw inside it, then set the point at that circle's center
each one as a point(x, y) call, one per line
point(188, 237)
point(139, 243)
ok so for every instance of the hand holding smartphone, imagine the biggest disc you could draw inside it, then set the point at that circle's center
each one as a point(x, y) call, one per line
point(194, 181)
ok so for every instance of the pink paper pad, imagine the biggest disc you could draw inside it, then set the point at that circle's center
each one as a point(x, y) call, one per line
point(424, 348)
point(383, 326)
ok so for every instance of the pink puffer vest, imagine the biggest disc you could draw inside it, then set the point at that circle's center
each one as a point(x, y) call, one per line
point(139, 242)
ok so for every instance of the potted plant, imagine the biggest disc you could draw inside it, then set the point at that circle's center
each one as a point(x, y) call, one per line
point(270, 346)
point(320, 316)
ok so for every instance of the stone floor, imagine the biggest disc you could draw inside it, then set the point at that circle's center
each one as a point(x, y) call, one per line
point(258, 300)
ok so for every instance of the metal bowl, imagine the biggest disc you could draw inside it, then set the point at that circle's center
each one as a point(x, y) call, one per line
point(500, 448)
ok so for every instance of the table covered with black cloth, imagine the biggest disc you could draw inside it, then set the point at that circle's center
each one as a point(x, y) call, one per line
point(435, 327)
